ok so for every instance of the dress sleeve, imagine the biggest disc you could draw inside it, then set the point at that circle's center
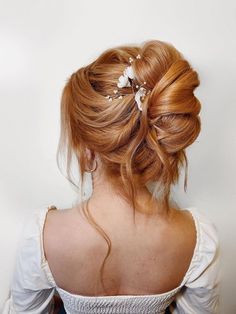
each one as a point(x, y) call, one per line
point(31, 289)
point(201, 291)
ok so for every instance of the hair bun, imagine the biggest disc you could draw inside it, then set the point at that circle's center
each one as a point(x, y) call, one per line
point(135, 148)
point(170, 120)
point(173, 108)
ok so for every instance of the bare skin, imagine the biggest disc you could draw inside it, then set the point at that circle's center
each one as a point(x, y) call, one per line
point(149, 259)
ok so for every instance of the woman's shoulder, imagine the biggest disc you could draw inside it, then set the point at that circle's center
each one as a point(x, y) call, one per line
point(202, 280)
point(34, 225)
point(206, 228)
point(62, 231)
point(60, 219)
point(206, 252)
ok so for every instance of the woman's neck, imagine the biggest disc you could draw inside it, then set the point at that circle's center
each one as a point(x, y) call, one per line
point(106, 198)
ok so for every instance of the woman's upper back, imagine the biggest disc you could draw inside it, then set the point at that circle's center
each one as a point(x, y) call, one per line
point(150, 259)
point(33, 283)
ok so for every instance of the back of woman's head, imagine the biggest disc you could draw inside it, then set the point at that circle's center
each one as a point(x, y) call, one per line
point(135, 147)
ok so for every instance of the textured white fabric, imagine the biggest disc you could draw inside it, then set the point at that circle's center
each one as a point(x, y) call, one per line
point(33, 285)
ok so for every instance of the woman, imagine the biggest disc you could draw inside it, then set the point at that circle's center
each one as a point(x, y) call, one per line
point(127, 117)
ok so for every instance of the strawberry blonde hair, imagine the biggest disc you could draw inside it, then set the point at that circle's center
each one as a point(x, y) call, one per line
point(137, 148)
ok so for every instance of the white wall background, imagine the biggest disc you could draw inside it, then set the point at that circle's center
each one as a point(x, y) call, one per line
point(42, 42)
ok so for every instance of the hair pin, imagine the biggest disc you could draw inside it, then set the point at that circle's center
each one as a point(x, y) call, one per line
point(126, 80)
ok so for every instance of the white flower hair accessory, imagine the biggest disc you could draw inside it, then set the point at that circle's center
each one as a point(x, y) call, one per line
point(126, 80)
point(140, 94)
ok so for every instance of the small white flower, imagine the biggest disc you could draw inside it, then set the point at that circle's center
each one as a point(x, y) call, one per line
point(131, 59)
point(123, 81)
point(129, 72)
point(140, 93)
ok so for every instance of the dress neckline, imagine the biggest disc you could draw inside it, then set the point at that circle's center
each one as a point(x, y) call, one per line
point(51, 279)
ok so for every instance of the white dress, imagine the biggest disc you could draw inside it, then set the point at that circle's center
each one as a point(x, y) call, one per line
point(33, 286)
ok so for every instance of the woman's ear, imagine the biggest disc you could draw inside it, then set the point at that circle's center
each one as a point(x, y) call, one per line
point(89, 154)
